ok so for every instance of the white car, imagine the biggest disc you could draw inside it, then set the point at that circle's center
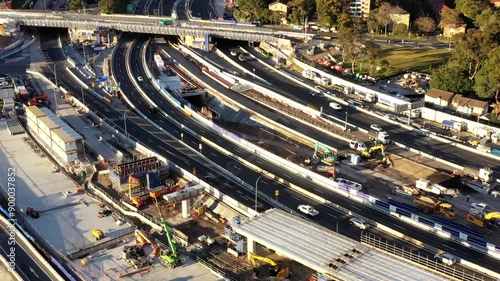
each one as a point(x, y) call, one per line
point(446, 258)
point(359, 223)
point(350, 184)
point(376, 127)
point(140, 79)
point(335, 106)
point(308, 210)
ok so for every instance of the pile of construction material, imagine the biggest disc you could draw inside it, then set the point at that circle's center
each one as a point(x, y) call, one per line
point(134, 255)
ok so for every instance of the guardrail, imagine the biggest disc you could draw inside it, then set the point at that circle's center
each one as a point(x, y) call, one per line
point(368, 200)
point(5, 53)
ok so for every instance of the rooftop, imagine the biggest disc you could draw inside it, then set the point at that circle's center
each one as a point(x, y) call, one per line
point(436, 93)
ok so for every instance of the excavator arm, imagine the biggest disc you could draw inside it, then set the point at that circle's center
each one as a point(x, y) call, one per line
point(492, 216)
point(254, 257)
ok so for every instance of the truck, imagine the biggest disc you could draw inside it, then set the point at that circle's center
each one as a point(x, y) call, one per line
point(159, 61)
point(485, 174)
point(309, 74)
point(368, 97)
point(430, 205)
point(380, 136)
point(433, 188)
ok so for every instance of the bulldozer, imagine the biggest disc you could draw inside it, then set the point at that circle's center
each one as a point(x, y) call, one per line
point(483, 220)
point(430, 205)
point(277, 272)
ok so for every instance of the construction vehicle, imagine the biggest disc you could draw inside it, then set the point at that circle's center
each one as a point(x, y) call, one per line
point(135, 200)
point(481, 220)
point(98, 234)
point(408, 191)
point(371, 152)
point(277, 272)
point(485, 175)
point(328, 157)
point(381, 137)
point(168, 257)
point(425, 187)
point(430, 205)
point(368, 97)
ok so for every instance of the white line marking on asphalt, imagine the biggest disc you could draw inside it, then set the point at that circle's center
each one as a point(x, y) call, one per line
point(259, 162)
point(335, 217)
point(177, 132)
point(320, 191)
point(150, 140)
point(213, 154)
point(287, 175)
point(265, 182)
point(354, 207)
point(219, 141)
point(296, 198)
point(399, 226)
point(448, 247)
point(187, 162)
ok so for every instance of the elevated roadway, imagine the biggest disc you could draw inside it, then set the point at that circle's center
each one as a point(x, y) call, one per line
point(287, 196)
point(298, 93)
point(139, 24)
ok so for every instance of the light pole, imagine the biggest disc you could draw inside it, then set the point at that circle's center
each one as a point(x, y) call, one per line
point(125, 122)
point(345, 127)
point(256, 185)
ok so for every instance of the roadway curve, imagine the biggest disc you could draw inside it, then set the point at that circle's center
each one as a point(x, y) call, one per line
point(26, 266)
point(287, 196)
point(298, 93)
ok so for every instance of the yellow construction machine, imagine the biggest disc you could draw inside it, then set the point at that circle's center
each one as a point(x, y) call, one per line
point(481, 220)
point(373, 150)
point(277, 272)
point(430, 205)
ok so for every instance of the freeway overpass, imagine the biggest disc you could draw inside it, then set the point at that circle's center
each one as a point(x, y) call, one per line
point(138, 24)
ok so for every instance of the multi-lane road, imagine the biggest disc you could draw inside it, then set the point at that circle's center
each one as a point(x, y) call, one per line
point(174, 151)
point(287, 196)
point(298, 93)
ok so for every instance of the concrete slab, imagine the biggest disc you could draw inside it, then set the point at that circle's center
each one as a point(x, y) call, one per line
point(66, 223)
point(109, 265)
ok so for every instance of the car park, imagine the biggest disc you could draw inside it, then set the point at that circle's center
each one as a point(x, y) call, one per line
point(446, 258)
point(359, 223)
point(308, 210)
point(349, 184)
point(335, 106)
point(376, 127)
point(140, 79)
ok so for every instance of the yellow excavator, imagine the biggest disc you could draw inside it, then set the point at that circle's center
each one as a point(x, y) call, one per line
point(479, 219)
point(277, 272)
point(372, 151)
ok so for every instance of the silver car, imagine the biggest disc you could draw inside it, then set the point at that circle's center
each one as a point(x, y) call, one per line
point(446, 258)
point(359, 223)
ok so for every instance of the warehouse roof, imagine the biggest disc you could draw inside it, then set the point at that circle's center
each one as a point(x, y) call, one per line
point(325, 251)
point(63, 125)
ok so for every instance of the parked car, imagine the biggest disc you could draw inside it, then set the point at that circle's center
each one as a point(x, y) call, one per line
point(308, 210)
point(359, 223)
point(446, 258)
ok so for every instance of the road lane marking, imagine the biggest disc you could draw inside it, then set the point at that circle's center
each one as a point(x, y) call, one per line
point(320, 191)
point(398, 226)
point(157, 133)
point(335, 217)
point(296, 198)
point(265, 182)
point(354, 207)
point(448, 247)
point(192, 155)
point(213, 154)
point(258, 162)
point(287, 175)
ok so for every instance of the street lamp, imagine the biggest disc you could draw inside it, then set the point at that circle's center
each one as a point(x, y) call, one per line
point(125, 122)
point(256, 185)
point(345, 127)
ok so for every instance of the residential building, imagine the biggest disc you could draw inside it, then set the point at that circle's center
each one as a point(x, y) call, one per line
point(468, 106)
point(399, 16)
point(360, 8)
point(281, 7)
point(439, 97)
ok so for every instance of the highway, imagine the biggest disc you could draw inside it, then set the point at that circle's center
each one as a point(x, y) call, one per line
point(26, 266)
point(200, 8)
point(300, 94)
point(287, 196)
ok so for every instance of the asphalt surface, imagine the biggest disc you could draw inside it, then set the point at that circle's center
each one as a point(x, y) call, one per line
point(287, 196)
point(200, 8)
point(292, 90)
point(26, 266)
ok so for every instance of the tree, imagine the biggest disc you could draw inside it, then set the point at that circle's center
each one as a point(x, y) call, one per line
point(400, 28)
point(425, 24)
point(471, 8)
point(487, 82)
point(372, 24)
point(75, 4)
point(383, 14)
point(252, 10)
point(451, 77)
point(371, 51)
point(300, 9)
point(329, 12)
point(350, 39)
point(489, 22)
point(450, 17)
point(275, 17)
point(472, 50)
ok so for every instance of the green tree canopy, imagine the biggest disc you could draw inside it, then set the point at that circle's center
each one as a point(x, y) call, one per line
point(75, 4)
point(252, 10)
point(450, 17)
point(487, 82)
point(329, 12)
point(451, 78)
point(300, 9)
point(425, 24)
point(383, 14)
point(471, 8)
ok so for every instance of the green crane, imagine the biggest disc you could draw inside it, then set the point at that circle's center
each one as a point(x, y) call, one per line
point(168, 257)
point(329, 157)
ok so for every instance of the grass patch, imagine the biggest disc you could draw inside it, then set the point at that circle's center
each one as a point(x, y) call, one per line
point(402, 60)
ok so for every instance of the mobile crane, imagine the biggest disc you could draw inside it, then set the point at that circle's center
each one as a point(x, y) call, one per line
point(168, 257)
point(278, 272)
point(329, 157)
